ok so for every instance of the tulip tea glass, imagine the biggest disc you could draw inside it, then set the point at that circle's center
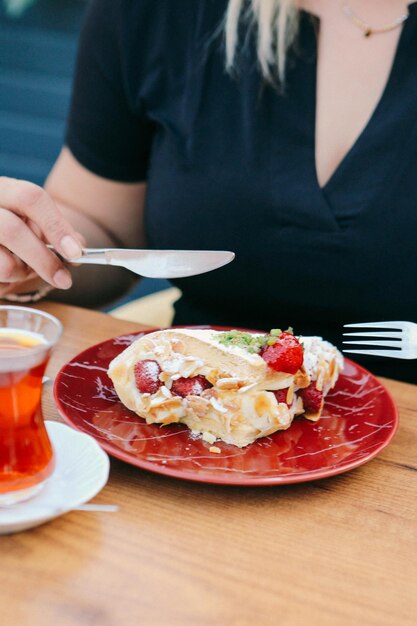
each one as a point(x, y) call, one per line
point(27, 337)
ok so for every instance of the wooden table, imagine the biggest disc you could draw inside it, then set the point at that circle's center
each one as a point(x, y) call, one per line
point(340, 551)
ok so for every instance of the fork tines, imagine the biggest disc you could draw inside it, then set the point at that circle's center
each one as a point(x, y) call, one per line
point(395, 325)
point(391, 339)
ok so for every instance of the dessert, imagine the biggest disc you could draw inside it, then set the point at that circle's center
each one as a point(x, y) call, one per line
point(232, 386)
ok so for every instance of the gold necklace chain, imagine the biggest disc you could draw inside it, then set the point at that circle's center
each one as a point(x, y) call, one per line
point(366, 28)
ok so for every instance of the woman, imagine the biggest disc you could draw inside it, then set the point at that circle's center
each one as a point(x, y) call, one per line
point(291, 140)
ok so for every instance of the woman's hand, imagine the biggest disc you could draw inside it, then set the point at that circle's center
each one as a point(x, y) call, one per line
point(28, 219)
point(108, 214)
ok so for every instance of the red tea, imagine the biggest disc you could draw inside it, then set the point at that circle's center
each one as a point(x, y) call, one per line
point(26, 456)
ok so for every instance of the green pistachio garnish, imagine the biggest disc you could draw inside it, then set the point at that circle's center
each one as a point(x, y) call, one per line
point(252, 343)
point(248, 341)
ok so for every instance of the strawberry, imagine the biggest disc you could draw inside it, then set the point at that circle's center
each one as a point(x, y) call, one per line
point(190, 386)
point(281, 396)
point(147, 376)
point(285, 355)
point(312, 398)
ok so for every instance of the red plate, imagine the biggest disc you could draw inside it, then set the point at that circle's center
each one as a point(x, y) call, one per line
point(359, 420)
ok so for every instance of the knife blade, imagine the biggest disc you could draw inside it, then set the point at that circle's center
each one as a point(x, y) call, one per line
point(156, 263)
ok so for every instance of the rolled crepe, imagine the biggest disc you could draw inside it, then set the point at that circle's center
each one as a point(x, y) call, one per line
point(241, 402)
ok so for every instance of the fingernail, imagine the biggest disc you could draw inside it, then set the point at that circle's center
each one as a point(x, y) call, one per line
point(71, 248)
point(62, 279)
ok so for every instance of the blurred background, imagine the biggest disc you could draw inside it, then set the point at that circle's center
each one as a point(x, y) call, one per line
point(38, 43)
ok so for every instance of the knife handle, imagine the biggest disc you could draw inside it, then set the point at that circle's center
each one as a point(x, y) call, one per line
point(94, 256)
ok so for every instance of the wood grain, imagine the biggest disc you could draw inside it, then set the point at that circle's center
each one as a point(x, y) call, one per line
point(340, 551)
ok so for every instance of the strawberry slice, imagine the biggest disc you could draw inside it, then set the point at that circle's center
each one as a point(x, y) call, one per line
point(147, 376)
point(281, 396)
point(312, 398)
point(285, 355)
point(193, 386)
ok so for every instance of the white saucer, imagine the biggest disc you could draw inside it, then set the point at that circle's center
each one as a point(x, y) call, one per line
point(82, 470)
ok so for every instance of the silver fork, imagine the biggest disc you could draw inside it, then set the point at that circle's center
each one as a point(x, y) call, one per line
point(402, 339)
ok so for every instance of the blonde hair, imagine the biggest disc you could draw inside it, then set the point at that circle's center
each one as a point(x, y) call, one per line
point(276, 23)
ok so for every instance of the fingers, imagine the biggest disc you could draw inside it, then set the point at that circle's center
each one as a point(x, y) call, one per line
point(27, 216)
point(32, 282)
point(35, 228)
point(27, 200)
point(18, 238)
point(12, 269)
point(82, 240)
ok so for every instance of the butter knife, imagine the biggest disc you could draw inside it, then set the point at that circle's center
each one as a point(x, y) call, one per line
point(156, 263)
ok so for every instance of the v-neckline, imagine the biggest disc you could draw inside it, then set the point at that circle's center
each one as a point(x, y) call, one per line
point(375, 113)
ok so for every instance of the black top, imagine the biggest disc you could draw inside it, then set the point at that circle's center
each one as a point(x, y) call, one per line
point(230, 164)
